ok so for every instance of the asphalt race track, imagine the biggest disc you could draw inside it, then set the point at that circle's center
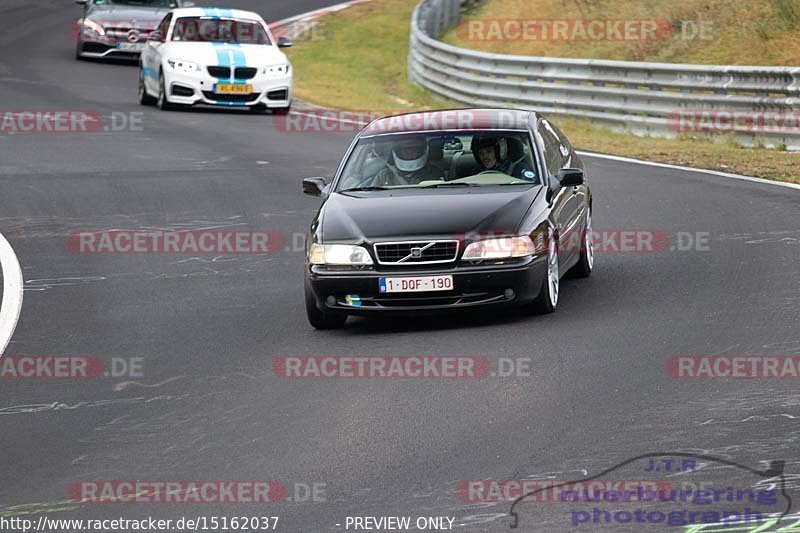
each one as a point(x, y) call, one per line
point(206, 330)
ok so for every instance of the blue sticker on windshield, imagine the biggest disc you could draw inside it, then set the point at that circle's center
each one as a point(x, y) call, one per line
point(215, 12)
point(528, 175)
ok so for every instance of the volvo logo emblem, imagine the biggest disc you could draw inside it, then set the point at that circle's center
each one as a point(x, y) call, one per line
point(415, 252)
point(133, 36)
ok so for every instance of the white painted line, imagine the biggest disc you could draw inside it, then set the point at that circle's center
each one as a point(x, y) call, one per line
point(691, 169)
point(12, 293)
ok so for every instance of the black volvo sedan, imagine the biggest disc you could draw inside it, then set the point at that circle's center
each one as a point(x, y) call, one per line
point(448, 210)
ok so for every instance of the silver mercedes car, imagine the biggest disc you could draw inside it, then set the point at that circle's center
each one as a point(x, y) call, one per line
point(118, 28)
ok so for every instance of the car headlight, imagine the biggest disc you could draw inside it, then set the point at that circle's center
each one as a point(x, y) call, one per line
point(338, 254)
point(504, 248)
point(182, 65)
point(93, 26)
point(276, 71)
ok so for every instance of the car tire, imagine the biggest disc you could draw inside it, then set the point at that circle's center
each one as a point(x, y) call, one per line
point(547, 301)
point(78, 47)
point(319, 319)
point(144, 98)
point(583, 268)
point(163, 102)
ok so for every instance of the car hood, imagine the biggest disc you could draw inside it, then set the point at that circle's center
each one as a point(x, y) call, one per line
point(237, 55)
point(439, 213)
point(143, 17)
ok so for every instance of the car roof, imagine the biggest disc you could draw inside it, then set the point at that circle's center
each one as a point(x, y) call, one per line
point(216, 12)
point(451, 119)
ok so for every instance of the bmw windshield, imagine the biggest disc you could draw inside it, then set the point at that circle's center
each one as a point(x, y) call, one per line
point(433, 160)
point(217, 30)
point(171, 4)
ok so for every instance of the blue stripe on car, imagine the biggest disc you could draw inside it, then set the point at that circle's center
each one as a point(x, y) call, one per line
point(226, 51)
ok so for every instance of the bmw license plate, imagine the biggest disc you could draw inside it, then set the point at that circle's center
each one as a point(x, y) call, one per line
point(416, 284)
point(230, 88)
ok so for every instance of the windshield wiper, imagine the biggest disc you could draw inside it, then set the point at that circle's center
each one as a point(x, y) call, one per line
point(371, 188)
point(450, 184)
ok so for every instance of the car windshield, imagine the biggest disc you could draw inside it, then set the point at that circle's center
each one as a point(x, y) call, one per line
point(139, 3)
point(219, 30)
point(439, 160)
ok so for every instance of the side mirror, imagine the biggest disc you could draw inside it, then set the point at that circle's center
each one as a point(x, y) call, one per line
point(283, 42)
point(570, 177)
point(314, 186)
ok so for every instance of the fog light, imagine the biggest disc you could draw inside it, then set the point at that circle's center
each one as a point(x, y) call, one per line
point(331, 300)
point(509, 294)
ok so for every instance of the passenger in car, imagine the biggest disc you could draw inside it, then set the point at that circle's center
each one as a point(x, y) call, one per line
point(487, 152)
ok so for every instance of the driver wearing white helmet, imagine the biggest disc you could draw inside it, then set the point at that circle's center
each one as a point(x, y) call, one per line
point(409, 164)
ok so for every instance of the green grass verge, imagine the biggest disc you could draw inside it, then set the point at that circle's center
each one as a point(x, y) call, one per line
point(708, 32)
point(358, 63)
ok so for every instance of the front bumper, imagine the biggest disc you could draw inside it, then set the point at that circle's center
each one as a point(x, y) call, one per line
point(474, 287)
point(198, 88)
point(109, 48)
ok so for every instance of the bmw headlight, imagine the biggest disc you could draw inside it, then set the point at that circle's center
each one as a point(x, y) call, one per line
point(276, 71)
point(504, 248)
point(339, 254)
point(181, 65)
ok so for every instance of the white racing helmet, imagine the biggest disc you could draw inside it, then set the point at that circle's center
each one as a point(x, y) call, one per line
point(410, 155)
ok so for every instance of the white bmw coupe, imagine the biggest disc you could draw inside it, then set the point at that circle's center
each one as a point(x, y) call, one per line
point(217, 57)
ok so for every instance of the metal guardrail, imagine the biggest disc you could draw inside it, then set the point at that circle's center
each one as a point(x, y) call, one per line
point(639, 97)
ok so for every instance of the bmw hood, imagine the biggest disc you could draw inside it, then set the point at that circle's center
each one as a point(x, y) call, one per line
point(408, 215)
point(236, 55)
